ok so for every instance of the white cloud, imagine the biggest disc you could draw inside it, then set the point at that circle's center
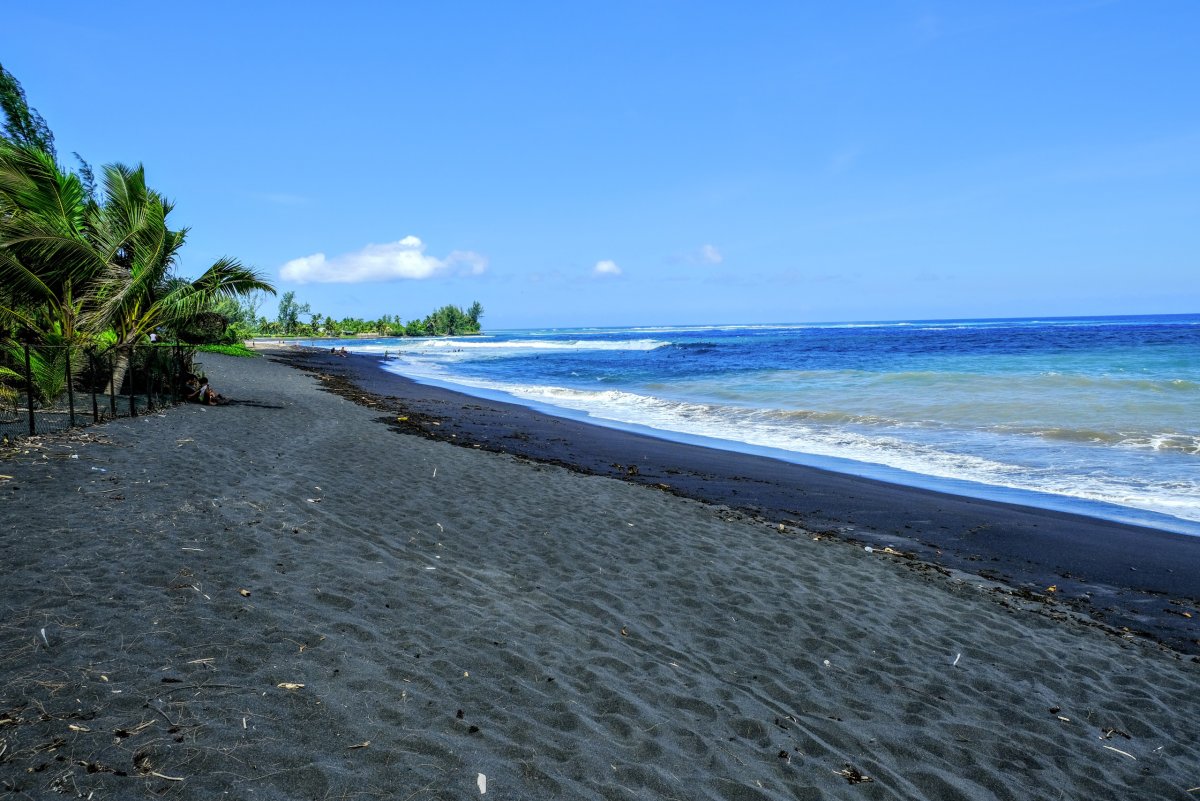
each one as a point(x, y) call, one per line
point(392, 261)
point(705, 254)
point(710, 255)
point(606, 267)
point(467, 262)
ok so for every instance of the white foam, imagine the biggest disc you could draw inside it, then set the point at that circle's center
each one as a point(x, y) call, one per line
point(1013, 426)
point(862, 441)
point(441, 347)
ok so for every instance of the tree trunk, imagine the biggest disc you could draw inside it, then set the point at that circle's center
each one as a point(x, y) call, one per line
point(119, 368)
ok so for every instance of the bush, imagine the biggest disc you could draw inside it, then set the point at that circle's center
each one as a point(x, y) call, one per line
point(205, 328)
point(237, 349)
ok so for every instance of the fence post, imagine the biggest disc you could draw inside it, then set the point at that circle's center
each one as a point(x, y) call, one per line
point(29, 390)
point(150, 379)
point(112, 385)
point(92, 371)
point(70, 386)
point(132, 375)
point(176, 373)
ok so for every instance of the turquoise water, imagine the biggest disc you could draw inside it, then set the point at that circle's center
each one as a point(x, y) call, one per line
point(1100, 416)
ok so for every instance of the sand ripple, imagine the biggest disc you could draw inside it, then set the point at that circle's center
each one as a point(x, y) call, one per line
point(451, 612)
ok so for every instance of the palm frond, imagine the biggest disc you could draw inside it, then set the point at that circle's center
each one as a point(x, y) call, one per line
point(96, 266)
point(44, 246)
point(47, 368)
point(21, 282)
point(230, 278)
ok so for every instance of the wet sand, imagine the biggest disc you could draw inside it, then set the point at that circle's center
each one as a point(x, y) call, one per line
point(308, 594)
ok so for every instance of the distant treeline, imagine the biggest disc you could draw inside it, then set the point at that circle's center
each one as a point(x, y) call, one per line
point(298, 319)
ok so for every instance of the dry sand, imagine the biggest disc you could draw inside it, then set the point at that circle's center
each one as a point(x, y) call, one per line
point(285, 598)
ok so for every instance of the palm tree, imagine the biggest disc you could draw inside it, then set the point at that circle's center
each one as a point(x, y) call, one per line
point(138, 291)
point(46, 252)
point(45, 260)
point(8, 395)
point(75, 269)
point(48, 362)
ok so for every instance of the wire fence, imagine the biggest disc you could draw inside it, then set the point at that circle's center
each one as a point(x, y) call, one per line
point(49, 388)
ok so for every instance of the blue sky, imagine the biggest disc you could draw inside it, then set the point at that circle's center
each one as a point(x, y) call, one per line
point(585, 163)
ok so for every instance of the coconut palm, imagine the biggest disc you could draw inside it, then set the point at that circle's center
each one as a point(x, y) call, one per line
point(79, 268)
point(138, 291)
point(8, 393)
point(97, 266)
point(47, 370)
point(46, 252)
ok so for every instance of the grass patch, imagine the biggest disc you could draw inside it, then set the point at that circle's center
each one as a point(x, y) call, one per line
point(229, 350)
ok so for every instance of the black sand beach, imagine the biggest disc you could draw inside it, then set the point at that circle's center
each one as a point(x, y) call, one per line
point(295, 597)
point(1129, 577)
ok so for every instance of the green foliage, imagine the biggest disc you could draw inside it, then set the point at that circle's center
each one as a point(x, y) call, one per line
point(237, 349)
point(22, 124)
point(81, 268)
point(86, 176)
point(137, 291)
point(449, 320)
point(9, 394)
point(231, 320)
point(453, 321)
point(46, 253)
point(76, 268)
point(205, 328)
point(289, 312)
point(241, 314)
point(47, 366)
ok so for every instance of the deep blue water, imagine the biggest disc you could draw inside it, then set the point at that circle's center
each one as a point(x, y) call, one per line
point(1096, 415)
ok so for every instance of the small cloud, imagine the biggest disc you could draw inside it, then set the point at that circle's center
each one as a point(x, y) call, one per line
point(393, 261)
point(710, 255)
point(705, 254)
point(468, 262)
point(606, 267)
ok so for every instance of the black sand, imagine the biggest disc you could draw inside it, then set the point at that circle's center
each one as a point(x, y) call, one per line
point(1129, 577)
point(287, 598)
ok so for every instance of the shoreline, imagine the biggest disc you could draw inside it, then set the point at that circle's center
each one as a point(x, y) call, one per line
point(885, 474)
point(1121, 575)
point(1023, 413)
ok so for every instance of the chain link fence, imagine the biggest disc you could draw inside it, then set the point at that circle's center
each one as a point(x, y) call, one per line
point(50, 388)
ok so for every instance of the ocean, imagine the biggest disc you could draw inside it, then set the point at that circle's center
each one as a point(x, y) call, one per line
point(1099, 416)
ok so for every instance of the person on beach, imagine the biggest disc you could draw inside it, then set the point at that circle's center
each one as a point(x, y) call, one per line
point(191, 388)
point(209, 396)
point(343, 353)
point(198, 390)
